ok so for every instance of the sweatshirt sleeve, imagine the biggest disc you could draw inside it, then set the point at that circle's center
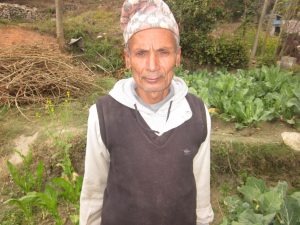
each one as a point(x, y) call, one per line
point(95, 175)
point(201, 168)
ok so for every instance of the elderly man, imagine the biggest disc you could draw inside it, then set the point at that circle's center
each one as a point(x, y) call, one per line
point(148, 141)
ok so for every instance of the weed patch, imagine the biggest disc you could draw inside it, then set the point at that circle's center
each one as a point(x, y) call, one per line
point(272, 160)
point(62, 190)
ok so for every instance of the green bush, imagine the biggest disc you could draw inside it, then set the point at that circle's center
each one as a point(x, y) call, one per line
point(196, 18)
point(229, 53)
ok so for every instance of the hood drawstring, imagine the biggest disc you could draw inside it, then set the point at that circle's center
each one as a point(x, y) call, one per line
point(169, 110)
point(139, 122)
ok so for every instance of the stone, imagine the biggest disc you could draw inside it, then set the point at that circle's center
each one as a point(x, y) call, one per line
point(287, 62)
point(291, 139)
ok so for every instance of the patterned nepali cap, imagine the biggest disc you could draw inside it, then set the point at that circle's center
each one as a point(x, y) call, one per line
point(140, 15)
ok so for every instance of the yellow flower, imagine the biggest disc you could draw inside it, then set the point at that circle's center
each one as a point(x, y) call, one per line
point(213, 110)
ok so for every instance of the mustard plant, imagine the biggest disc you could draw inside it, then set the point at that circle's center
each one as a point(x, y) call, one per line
point(26, 178)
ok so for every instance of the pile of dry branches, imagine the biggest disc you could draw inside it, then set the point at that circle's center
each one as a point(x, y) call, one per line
point(34, 74)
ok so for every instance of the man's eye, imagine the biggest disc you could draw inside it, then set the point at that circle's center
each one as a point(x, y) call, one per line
point(164, 52)
point(140, 53)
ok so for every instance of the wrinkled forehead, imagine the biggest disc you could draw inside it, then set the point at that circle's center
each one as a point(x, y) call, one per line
point(153, 38)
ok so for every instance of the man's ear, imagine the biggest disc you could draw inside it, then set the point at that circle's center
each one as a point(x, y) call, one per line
point(127, 58)
point(178, 57)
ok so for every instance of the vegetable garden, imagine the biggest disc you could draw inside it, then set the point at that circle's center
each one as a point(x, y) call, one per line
point(249, 96)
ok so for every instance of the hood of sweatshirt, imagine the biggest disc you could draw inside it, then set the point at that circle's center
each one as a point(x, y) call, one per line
point(124, 94)
point(172, 113)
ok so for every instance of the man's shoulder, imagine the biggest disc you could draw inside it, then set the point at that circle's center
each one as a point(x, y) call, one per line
point(191, 98)
point(105, 100)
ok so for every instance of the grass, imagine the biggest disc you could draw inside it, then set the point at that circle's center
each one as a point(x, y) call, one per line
point(103, 53)
point(255, 158)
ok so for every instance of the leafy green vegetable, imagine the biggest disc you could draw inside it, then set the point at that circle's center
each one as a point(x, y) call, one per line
point(248, 96)
point(261, 205)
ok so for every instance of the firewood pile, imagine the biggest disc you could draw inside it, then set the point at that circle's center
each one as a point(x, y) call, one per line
point(30, 75)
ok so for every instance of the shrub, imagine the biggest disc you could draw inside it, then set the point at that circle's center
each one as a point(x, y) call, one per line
point(229, 53)
point(196, 19)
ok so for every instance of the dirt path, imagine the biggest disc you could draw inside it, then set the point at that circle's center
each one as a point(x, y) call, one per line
point(22, 145)
point(14, 36)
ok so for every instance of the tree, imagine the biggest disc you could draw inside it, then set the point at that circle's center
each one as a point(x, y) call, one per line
point(59, 24)
point(269, 26)
point(261, 19)
point(290, 10)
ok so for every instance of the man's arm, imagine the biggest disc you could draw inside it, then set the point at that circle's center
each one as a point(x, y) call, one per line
point(95, 175)
point(201, 168)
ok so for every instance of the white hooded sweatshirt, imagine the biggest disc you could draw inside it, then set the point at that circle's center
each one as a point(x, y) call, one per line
point(97, 157)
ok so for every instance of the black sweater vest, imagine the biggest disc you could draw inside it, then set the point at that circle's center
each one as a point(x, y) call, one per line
point(150, 180)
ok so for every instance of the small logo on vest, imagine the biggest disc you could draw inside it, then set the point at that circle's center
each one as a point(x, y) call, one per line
point(187, 152)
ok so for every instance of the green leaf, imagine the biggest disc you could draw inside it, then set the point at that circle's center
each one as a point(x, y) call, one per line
point(74, 219)
point(24, 203)
point(281, 188)
point(39, 176)
point(66, 189)
point(193, 90)
point(224, 221)
point(290, 211)
point(249, 217)
point(253, 189)
point(235, 204)
point(296, 196)
point(251, 194)
point(270, 202)
point(257, 183)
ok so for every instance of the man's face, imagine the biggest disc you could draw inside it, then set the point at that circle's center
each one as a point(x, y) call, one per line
point(152, 55)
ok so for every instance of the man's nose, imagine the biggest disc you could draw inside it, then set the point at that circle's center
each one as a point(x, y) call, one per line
point(153, 64)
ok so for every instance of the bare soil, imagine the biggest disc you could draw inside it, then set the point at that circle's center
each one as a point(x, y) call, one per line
point(263, 133)
point(13, 35)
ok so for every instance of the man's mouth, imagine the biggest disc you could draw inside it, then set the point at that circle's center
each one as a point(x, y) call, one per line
point(152, 79)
